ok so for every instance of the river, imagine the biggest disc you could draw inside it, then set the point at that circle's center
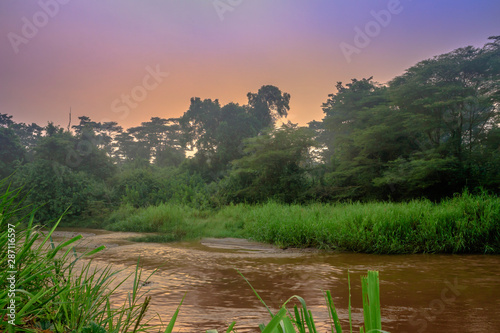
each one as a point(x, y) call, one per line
point(419, 293)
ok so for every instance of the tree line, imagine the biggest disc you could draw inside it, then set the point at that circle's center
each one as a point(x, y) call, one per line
point(430, 132)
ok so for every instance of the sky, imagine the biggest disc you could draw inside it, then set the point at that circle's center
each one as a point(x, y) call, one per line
point(130, 60)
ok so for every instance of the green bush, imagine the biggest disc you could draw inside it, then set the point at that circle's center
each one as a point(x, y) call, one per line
point(57, 189)
point(161, 218)
point(154, 186)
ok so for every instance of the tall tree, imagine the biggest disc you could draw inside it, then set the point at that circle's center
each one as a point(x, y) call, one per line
point(199, 124)
point(160, 139)
point(28, 135)
point(268, 105)
point(5, 120)
point(129, 150)
point(216, 132)
point(237, 124)
point(101, 135)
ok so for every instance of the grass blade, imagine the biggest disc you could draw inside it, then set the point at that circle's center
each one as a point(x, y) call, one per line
point(371, 302)
point(273, 324)
point(333, 312)
point(171, 324)
point(230, 327)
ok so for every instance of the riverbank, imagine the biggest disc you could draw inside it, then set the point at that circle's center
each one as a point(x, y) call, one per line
point(464, 224)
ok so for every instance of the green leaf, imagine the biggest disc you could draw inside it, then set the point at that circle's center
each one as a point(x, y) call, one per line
point(171, 324)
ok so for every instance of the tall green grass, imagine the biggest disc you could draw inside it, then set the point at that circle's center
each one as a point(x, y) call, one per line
point(466, 223)
point(174, 222)
point(52, 292)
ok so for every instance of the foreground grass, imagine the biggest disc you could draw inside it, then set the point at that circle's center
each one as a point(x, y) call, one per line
point(464, 224)
point(45, 288)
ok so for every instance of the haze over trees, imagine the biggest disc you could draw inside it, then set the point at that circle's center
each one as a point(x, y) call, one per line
point(430, 132)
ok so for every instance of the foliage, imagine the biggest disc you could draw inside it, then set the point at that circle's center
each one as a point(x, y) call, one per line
point(268, 105)
point(53, 290)
point(141, 187)
point(362, 132)
point(11, 154)
point(217, 133)
point(57, 189)
point(175, 222)
point(424, 134)
point(274, 166)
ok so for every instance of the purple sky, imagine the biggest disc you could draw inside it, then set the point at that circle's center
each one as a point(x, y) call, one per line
point(100, 57)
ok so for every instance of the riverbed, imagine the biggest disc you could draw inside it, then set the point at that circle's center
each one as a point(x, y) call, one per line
point(419, 293)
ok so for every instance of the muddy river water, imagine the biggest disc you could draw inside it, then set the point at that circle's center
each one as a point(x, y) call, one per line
point(419, 293)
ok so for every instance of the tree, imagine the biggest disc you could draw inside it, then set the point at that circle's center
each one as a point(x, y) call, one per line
point(274, 166)
point(67, 172)
point(11, 153)
point(101, 135)
point(425, 134)
point(216, 132)
point(268, 105)
point(79, 153)
point(28, 135)
point(453, 102)
point(158, 141)
point(199, 124)
point(55, 189)
point(129, 150)
point(361, 132)
point(56, 146)
point(236, 125)
point(5, 120)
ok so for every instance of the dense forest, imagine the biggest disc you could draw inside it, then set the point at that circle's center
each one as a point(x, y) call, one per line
point(429, 133)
